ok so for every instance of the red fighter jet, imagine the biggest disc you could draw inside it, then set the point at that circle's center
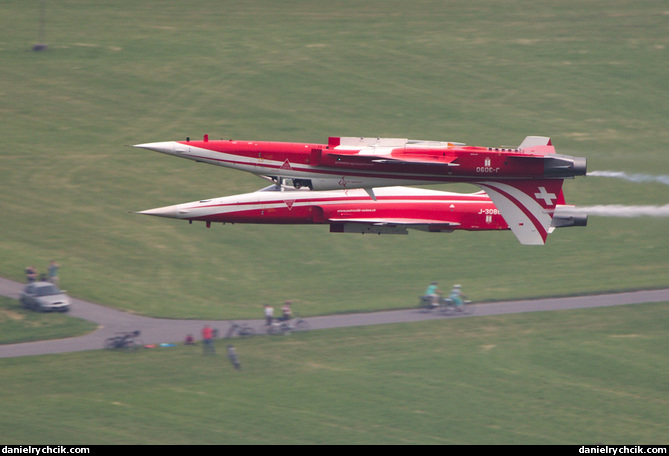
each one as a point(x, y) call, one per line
point(524, 183)
point(394, 210)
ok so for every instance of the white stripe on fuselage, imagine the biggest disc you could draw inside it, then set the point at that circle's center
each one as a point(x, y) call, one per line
point(301, 198)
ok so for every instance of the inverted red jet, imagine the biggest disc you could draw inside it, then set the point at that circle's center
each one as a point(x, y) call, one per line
point(379, 162)
point(394, 210)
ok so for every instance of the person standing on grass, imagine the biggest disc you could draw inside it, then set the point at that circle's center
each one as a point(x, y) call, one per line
point(234, 359)
point(53, 272)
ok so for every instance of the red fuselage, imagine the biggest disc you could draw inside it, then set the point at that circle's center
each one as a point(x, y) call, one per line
point(345, 163)
point(428, 210)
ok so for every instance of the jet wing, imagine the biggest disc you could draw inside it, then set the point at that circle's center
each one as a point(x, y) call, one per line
point(441, 161)
point(405, 159)
point(526, 205)
point(387, 226)
point(395, 221)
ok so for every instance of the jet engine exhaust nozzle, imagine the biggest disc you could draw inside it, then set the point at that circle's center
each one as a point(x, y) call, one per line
point(565, 166)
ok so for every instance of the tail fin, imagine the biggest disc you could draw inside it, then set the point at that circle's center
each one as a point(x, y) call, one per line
point(526, 205)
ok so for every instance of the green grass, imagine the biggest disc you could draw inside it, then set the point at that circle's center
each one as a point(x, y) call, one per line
point(566, 377)
point(488, 73)
point(592, 75)
point(21, 325)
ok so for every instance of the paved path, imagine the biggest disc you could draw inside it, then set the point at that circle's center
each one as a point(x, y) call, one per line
point(158, 330)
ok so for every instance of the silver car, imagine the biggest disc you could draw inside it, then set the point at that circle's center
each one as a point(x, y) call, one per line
point(44, 297)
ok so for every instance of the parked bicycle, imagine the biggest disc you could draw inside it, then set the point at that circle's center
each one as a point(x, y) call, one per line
point(128, 341)
point(243, 330)
point(287, 326)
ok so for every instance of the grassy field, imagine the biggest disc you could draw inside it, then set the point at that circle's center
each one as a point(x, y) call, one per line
point(20, 325)
point(487, 73)
point(592, 75)
point(571, 377)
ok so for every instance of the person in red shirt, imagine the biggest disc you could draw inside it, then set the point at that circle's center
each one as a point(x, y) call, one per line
point(286, 311)
point(208, 340)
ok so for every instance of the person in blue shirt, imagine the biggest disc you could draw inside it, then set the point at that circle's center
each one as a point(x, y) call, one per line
point(456, 296)
point(433, 294)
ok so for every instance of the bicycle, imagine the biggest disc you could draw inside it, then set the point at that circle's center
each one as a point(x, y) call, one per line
point(128, 341)
point(428, 303)
point(445, 305)
point(287, 326)
point(243, 330)
point(448, 305)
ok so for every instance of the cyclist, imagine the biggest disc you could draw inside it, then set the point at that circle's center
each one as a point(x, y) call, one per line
point(433, 294)
point(286, 311)
point(456, 296)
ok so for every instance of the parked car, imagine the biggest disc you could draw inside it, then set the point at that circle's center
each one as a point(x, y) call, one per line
point(44, 297)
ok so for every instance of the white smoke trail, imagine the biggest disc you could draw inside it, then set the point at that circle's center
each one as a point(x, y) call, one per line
point(617, 210)
point(639, 178)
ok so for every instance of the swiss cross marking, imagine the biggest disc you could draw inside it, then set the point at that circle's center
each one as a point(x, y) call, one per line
point(544, 195)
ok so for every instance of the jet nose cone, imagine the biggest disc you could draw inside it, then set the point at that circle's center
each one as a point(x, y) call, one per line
point(166, 147)
point(167, 211)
